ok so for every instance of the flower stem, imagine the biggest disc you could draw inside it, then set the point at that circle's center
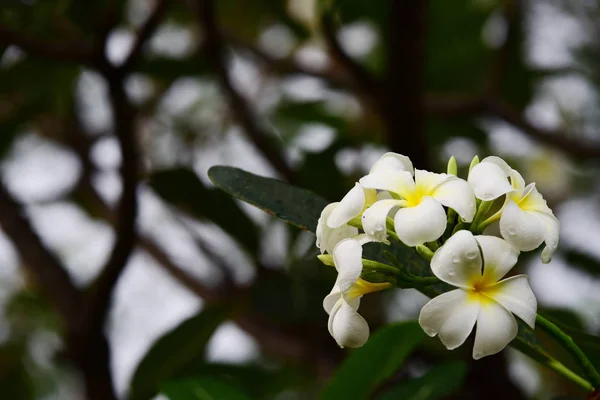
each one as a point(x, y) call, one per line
point(377, 266)
point(567, 342)
point(560, 369)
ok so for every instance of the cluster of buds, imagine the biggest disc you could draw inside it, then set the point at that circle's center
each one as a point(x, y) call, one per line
point(448, 220)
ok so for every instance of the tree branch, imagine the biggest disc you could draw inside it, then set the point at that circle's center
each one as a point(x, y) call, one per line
point(361, 78)
point(215, 51)
point(145, 33)
point(52, 50)
point(44, 265)
point(126, 235)
point(404, 113)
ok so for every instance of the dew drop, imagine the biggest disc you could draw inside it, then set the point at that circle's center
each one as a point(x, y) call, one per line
point(455, 259)
point(451, 272)
point(512, 231)
point(477, 356)
point(471, 255)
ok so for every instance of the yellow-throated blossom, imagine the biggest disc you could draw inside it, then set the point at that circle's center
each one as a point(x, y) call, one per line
point(419, 195)
point(526, 221)
point(476, 265)
point(346, 325)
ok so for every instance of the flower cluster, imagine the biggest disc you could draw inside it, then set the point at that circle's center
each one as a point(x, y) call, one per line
point(448, 221)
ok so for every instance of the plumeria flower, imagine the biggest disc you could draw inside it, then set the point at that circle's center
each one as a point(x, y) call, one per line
point(328, 238)
point(476, 265)
point(346, 325)
point(421, 199)
point(525, 219)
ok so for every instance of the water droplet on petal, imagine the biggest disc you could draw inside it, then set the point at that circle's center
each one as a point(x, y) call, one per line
point(471, 255)
point(477, 355)
point(451, 272)
point(512, 230)
point(455, 259)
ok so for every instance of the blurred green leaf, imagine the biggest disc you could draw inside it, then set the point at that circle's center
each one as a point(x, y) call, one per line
point(378, 360)
point(174, 352)
point(439, 382)
point(15, 381)
point(584, 261)
point(183, 188)
point(201, 389)
point(296, 206)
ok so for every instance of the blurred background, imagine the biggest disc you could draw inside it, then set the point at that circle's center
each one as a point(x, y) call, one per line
point(116, 248)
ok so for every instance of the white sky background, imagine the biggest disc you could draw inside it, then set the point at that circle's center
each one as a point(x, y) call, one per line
point(148, 302)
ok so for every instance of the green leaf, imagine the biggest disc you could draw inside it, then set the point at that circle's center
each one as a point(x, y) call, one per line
point(439, 382)
point(182, 188)
point(378, 360)
point(174, 352)
point(201, 389)
point(296, 206)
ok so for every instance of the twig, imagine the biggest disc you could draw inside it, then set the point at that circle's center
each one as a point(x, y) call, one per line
point(404, 114)
point(215, 50)
point(145, 32)
point(55, 50)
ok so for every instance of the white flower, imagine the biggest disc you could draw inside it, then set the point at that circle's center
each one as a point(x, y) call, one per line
point(421, 217)
point(346, 325)
point(525, 219)
point(475, 264)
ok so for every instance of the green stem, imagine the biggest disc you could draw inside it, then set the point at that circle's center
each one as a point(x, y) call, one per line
point(560, 369)
point(567, 342)
point(374, 265)
point(482, 210)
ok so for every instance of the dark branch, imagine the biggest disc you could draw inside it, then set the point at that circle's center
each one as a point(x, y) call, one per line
point(146, 31)
point(404, 114)
point(48, 49)
point(44, 265)
point(558, 139)
point(126, 235)
point(215, 51)
point(362, 79)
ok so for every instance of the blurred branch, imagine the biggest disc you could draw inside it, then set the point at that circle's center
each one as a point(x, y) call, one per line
point(367, 84)
point(215, 51)
point(44, 265)
point(124, 114)
point(404, 82)
point(48, 49)
point(145, 33)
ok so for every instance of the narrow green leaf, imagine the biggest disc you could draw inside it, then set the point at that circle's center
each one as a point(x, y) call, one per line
point(183, 188)
point(376, 361)
point(202, 389)
point(296, 206)
point(439, 382)
point(174, 352)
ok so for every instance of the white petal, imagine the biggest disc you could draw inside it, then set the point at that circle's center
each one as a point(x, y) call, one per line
point(393, 161)
point(534, 201)
point(348, 327)
point(374, 218)
point(322, 226)
point(331, 299)
point(458, 262)
point(517, 181)
point(427, 181)
point(499, 257)
point(347, 257)
point(400, 182)
point(552, 234)
point(496, 328)
point(350, 206)
point(423, 223)
point(451, 315)
point(489, 181)
point(516, 296)
point(525, 230)
point(328, 238)
point(500, 163)
point(458, 195)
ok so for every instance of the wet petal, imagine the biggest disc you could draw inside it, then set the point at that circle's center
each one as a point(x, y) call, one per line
point(489, 181)
point(496, 328)
point(350, 206)
point(525, 230)
point(499, 257)
point(552, 234)
point(516, 296)
point(420, 224)
point(392, 161)
point(458, 262)
point(457, 194)
point(451, 315)
point(374, 218)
